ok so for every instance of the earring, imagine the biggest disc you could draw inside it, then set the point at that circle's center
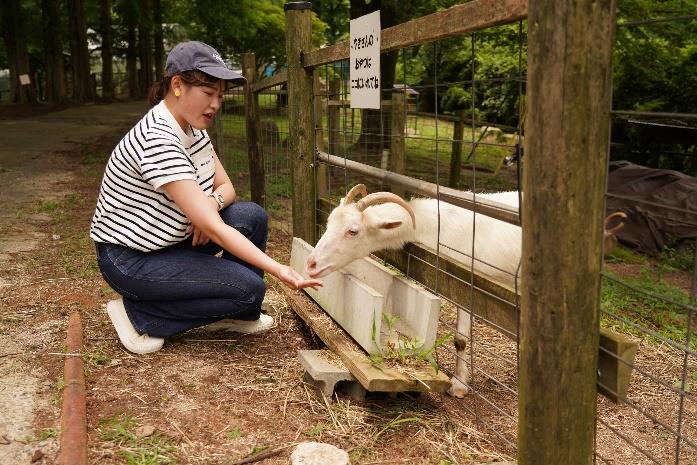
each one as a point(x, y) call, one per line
point(177, 93)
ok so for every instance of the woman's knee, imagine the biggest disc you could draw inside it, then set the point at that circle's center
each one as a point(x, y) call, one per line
point(247, 215)
point(257, 290)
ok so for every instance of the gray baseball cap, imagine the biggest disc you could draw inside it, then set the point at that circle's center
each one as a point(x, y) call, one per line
point(188, 56)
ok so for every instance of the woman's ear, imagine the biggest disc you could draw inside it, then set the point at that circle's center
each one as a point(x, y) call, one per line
point(176, 85)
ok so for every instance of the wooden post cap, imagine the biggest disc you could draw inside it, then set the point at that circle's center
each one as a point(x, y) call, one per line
point(297, 6)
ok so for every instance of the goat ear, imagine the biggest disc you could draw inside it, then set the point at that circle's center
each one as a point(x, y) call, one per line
point(389, 224)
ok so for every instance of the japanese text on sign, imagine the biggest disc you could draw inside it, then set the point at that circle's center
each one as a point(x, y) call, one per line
point(365, 61)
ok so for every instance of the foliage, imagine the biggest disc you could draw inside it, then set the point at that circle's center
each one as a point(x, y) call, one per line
point(655, 70)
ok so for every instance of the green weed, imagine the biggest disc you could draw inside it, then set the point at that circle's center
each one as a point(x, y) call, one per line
point(48, 433)
point(403, 350)
point(316, 430)
point(234, 433)
point(150, 450)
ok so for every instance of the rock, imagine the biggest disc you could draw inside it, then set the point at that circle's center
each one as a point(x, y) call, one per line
point(317, 453)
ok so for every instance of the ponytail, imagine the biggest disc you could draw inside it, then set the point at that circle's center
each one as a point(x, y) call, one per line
point(158, 90)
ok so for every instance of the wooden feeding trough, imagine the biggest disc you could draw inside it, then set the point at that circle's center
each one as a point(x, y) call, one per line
point(369, 309)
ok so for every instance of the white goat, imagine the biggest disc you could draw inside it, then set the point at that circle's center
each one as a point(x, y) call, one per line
point(383, 220)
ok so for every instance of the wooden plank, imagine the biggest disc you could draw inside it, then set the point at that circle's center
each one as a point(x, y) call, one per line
point(271, 81)
point(615, 363)
point(567, 133)
point(371, 377)
point(446, 194)
point(461, 19)
point(254, 152)
point(301, 134)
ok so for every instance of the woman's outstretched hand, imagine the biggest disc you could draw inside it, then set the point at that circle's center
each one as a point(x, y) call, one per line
point(294, 280)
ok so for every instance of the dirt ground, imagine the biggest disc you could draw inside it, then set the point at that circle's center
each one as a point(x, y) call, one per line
point(213, 398)
point(205, 398)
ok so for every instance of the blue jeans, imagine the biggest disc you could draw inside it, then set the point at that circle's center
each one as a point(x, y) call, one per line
point(181, 287)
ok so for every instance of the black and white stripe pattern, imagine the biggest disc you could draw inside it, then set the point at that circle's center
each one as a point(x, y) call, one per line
point(132, 210)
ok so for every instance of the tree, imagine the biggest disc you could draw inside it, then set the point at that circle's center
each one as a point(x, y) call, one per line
point(158, 38)
point(128, 10)
point(15, 46)
point(107, 51)
point(145, 54)
point(83, 88)
point(53, 51)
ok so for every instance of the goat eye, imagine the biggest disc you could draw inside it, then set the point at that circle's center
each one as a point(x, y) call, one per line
point(352, 232)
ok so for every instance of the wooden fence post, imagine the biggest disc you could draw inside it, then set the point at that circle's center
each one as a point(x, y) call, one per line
point(301, 134)
point(397, 132)
point(456, 154)
point(257, 185)
point(321, 168)
point(569, 81)
point(333, 116)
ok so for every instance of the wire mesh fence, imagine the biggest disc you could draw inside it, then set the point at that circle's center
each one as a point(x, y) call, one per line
point(467, 132)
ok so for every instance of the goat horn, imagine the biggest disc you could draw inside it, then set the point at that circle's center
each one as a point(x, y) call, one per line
point(378, 198)
point(619, 226)
point(355, 190)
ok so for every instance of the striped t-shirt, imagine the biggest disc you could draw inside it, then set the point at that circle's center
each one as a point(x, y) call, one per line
point(132, 209)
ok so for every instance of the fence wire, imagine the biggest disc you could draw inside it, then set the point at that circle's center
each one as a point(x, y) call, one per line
point(648, 298)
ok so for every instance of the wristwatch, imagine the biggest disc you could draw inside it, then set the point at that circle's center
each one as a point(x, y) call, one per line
point(218, 199)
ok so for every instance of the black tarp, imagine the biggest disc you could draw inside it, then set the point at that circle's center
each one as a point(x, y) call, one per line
point(661, 206)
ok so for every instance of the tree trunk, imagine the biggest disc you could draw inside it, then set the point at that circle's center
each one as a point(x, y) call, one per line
point(17, 56)
point(107, 52)
point(145, 47)
point(83, 91)
point(130, 15)
point(53, 51)
point(159, 40)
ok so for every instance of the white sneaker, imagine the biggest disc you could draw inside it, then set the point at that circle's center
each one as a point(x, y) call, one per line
point(129, 337)
point(264, 323)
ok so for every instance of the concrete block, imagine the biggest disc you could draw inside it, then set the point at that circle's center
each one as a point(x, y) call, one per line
point(354, 305)
point(417, 311)
point(327, 373)
point(324, 369)
point(358, 296)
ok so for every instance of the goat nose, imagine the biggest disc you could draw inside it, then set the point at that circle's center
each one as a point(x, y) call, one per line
point(311, 263)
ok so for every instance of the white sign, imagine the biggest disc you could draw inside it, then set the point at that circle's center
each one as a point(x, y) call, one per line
point(364, 58)
point(24, 79)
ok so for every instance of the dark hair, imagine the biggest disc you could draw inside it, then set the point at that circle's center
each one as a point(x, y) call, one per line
point(194, 78)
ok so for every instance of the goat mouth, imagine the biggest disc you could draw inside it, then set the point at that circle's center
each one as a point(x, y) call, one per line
point(319, 272)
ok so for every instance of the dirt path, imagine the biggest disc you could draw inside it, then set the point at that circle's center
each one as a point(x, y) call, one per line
point(38, 160)
point(204, 398)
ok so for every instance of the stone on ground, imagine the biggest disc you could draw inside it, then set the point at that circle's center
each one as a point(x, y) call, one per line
point(318, 453)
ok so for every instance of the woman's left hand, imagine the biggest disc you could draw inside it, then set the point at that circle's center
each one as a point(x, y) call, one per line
point(199, 237)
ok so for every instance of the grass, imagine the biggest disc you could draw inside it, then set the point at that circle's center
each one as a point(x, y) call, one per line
point(662, 312)
point(426, 159)
point(152, 449)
